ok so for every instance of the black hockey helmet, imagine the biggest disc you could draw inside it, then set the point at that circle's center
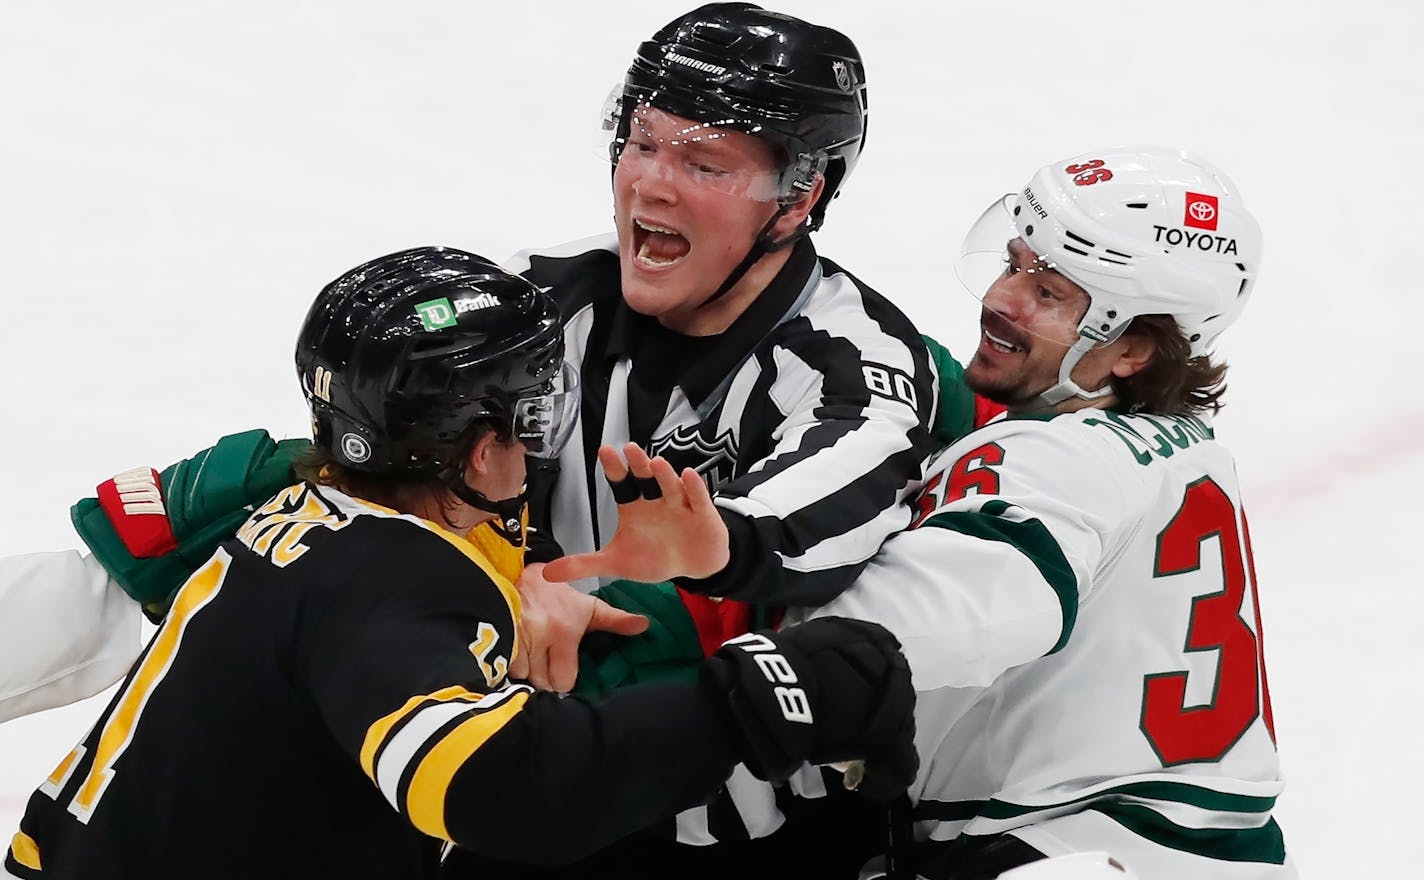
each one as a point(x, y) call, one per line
point(398, 356)
point(796, 85)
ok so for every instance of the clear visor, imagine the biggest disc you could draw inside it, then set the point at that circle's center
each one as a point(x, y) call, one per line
point(998, 268)
point(707, 155)
point(543, 422)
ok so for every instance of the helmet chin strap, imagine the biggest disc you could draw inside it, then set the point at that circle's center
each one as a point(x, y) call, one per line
point(762, 246)
point(1066, 387)
point(801, 177)
point(1095, 328)
point(508, 511)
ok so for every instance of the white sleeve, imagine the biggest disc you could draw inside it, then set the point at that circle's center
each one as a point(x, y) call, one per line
point(964, 609)
point(993, 579)
point(66, 631)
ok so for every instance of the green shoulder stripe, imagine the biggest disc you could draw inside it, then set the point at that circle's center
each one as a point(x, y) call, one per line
point(1029, 537)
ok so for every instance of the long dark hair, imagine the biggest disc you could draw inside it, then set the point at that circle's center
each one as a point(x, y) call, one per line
point(1173, 382)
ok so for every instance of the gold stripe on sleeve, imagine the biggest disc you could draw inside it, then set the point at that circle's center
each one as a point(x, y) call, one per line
point(425, 798)
point(377, 733)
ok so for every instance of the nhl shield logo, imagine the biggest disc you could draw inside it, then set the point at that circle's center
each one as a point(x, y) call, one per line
point(842, 72)
point(685, 447)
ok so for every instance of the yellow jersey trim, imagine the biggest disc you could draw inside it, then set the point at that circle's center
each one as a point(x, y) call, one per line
point(425, 798)
point(24, 850)
point(462, 543)
point(118, 730)
point(506, 587)
point(377, 733)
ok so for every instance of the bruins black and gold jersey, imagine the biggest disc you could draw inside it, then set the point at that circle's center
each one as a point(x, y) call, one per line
point(328, 697)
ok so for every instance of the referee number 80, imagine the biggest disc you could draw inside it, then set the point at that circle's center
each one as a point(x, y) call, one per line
point(889, 382)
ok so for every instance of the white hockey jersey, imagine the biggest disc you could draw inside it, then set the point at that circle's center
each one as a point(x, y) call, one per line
point(67, 631)
point(1077, 602)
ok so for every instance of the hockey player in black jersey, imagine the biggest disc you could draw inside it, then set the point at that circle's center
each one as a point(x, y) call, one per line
point(328, 697)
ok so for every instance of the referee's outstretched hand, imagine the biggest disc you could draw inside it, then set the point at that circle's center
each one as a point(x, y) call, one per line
point(667, 524)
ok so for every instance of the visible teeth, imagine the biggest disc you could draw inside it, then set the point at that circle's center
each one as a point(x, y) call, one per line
point(1001, 343)
point(645, 255)
point(651, 260)
point(650, 228)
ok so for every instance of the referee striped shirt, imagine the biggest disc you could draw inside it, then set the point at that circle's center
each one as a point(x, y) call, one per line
point(807, 417)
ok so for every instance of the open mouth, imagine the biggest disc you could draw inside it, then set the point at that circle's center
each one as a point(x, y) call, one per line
point(658, 246)
point(1001, 344)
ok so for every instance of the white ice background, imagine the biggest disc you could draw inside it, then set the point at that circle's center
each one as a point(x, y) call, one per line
point(177, 180)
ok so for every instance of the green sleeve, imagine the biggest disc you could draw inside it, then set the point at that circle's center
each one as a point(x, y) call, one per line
point(955, 416)
point(207, 498)
point(669, 649)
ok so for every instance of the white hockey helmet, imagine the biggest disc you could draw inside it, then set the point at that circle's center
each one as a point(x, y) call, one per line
point(1144, 230)
point(1078, 866)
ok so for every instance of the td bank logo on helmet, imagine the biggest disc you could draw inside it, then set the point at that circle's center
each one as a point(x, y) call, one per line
point(436, 314)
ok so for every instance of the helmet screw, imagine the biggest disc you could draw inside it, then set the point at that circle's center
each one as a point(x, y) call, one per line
point(1112, 313)
point(1028, 230)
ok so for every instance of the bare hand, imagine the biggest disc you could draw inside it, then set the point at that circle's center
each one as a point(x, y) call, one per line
point(673, 531)
point(555, 618)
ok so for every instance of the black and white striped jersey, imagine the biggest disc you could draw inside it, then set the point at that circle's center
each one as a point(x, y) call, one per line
point(807, 417)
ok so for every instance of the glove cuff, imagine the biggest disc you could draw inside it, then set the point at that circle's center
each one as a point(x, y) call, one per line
point(767, 701)
point(133, 502)
point(150, 582)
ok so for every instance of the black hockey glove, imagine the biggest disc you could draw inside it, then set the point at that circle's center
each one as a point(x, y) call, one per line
point(824, 691)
